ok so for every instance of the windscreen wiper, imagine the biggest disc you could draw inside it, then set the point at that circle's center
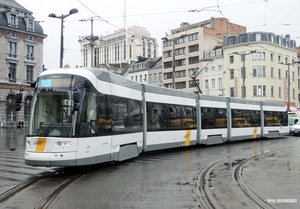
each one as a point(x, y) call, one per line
point(52, 122)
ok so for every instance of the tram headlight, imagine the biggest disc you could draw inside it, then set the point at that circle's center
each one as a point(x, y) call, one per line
point(64, 143)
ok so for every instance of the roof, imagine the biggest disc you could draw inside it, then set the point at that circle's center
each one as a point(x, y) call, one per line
point(12, 3)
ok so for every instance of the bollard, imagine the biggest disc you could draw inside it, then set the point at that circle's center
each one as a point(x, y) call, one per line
point(12, 145)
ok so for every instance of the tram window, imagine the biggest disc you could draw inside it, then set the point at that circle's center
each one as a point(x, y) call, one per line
point(156, 116)
point(134, 114)
point(272, 118)
point(104, 111)
point(120, 119)
point(174, 117)
point(188, 117)
point(88, 119)
point(238, 119)
point(208, 117)
point(221, 118)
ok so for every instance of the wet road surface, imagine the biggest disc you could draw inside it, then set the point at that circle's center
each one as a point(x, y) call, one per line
point(164, 179)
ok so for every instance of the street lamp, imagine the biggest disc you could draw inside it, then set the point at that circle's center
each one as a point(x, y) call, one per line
point(62, 17)
point(289, 82)
point(243, 56)
point(173, 55)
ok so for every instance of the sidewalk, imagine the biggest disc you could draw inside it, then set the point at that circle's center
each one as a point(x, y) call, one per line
point(12, 139)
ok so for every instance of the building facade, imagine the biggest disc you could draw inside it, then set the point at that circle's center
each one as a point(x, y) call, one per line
point(123, 46)
point(147, 71)
point(262, 65)
point(21, 60)
point(185, 47)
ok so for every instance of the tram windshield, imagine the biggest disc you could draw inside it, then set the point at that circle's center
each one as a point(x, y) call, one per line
point(52, 111)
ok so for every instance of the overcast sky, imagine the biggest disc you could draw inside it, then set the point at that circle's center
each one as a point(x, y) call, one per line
point(157, 16)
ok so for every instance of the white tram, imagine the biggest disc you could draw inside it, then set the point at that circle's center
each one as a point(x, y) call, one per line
point(89, 116)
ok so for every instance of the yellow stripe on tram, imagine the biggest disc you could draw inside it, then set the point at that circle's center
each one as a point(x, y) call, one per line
point(254, 132)
point(41, 144)
point(187, 138)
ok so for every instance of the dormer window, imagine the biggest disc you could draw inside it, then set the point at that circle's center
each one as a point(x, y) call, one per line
point(13, 20)
point(12, 34)
point(30, 38)
point(30, 24)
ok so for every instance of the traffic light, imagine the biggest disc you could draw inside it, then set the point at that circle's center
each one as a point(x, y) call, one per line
point(18, 102)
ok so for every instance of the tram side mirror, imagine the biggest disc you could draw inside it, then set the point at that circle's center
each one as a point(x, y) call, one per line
point(18, 101)
point(76, 99)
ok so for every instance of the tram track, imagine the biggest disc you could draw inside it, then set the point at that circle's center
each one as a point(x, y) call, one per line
point(58, 178)
point(208, 198)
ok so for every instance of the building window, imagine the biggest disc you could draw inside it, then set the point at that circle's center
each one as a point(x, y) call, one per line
point(132, 78)
point(29, 72)
point(155, 77)
point(258, 71)
point(168, 54)
point(213, 68)
point(231, 74)
point(194, 36)
point(231, 91)
point(220, 82)
point(293, 93)
point(213, 83)
point(12, 72)
point(279, 74)
point(29, 52)
point(181, 73)
point(279, 92)
point(293, 76)
point(272, 91)
point(166, 76)
point(230, 41)
point(193, 60)
point(220, 67)
point(12, 49)
point(231, 60)
point(272, 58)
point(180, 85)
point(194, 48)
point(13, 20)
point(136, 78)
point(150, 77)
point(180, 62)
point(257, 37)
point(168, 43)
point(272, 72)
point(254, 71)
point(180, 51)
point(180, 40)
point(167, 64)
point(145, 77)
point(254, 90)
point(253, 56)
point(264, 71)
point(279, 58)
point(30, 24)
point(159, 76)
point(206, 84)
point(141, 78)
point(263, 56)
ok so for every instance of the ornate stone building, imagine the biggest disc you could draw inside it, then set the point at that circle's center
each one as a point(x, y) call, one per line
point(21, 59)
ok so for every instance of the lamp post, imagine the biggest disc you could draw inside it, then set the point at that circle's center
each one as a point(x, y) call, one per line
point(243, 56)
point(91, 39)
point(62, 17)
point(173, 55)
point(289, 82)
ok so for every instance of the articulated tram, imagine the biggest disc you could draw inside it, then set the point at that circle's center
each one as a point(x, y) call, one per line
point(89, 116)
